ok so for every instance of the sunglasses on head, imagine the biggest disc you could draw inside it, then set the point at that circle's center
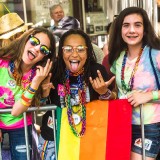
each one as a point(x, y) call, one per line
point(35, 42)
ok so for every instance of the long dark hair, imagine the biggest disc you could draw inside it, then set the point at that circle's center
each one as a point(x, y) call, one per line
point(117, 44)
point(59, 68)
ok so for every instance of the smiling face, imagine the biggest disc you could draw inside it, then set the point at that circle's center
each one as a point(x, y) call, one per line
point(34, 53)
point(133, 30)
point(76, 56)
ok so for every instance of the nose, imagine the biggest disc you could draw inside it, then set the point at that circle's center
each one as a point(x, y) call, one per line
point(132, 28)
point(37, 47)
point(74, 52)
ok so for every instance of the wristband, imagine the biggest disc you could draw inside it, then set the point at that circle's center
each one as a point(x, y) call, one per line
point(28, 95)
point(155, 95)
point(107, 95)
point(31, 90)
point(25, 103)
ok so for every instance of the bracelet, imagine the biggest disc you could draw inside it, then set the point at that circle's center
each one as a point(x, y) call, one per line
point(25, 103)
point(107, 95)
point(28, 100)
point(31, 90)
point(28, 95)
point(155, 95)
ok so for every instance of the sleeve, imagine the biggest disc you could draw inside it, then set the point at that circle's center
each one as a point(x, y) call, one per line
point(113, 68)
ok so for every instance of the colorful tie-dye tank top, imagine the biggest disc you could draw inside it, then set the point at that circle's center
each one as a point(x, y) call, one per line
point(9, 94)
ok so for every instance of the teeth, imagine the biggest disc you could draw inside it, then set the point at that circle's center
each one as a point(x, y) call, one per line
point(74, 61)
point(32, 54)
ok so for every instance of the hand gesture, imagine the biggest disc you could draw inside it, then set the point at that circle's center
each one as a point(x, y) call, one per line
point(47, 85)
point(41, 73)
point(99, 85)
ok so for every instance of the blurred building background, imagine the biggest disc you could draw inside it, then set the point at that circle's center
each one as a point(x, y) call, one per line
point(94, 15)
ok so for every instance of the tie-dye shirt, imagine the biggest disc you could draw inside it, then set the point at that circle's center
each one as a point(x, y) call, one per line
point(144, 80)
point(9, 94)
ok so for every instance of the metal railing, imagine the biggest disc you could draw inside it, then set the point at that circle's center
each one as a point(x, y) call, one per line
point(32, 109)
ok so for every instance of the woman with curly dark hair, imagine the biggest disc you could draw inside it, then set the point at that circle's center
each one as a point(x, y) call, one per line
point(77, 79)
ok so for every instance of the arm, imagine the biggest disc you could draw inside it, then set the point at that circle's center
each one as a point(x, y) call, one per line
point(41, 73)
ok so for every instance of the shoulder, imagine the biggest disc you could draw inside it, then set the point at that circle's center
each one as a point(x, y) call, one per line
point(118, 62)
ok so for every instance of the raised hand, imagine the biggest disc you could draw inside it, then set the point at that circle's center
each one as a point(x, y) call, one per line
point(99, 85)
point(41, 73)
point(47, 85)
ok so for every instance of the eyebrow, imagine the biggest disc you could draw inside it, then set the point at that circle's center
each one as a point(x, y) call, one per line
point(134, 22)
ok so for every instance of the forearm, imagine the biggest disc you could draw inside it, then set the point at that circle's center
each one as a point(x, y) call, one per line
point(25, 101)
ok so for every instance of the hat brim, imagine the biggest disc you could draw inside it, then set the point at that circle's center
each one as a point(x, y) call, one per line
point(15, 31)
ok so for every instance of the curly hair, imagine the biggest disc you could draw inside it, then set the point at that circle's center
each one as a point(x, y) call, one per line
point(60, 64)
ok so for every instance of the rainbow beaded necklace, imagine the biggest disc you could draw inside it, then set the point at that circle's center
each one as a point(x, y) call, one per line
point(82, 108)
point(15, 75)
point(128, 87)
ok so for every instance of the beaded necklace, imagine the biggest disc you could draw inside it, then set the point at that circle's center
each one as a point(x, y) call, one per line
point(15, 75)
point(82, 108)
point(77, 73)
point(128, 87)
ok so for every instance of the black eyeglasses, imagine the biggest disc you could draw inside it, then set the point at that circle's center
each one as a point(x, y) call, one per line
point(70, 49)
point(35, 42)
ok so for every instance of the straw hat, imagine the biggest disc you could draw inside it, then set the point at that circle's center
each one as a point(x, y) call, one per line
point(11, 24)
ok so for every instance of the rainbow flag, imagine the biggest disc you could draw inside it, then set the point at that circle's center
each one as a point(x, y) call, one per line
point(107, 136)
